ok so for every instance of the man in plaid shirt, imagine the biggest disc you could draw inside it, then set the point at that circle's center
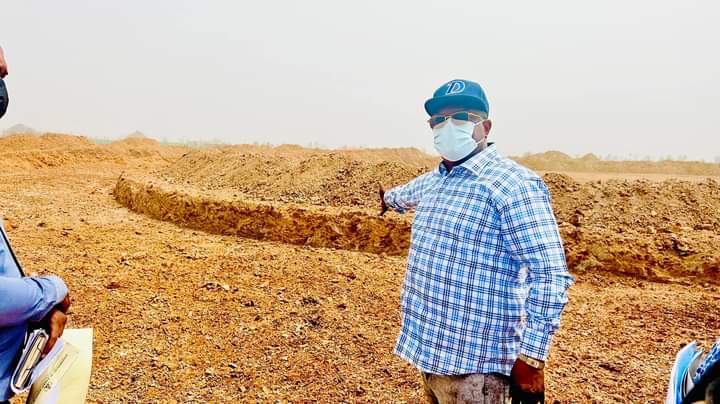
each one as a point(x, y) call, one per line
point(486, 280)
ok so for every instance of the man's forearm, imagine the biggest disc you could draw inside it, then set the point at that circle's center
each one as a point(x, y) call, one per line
point(407, 196)
point(29, 299)
point(530, 232)
point(544, 306)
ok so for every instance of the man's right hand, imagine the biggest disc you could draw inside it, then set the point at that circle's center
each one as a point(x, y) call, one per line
point(64, 306)
point(55, 325)
point(383, 205)
point(527, 384)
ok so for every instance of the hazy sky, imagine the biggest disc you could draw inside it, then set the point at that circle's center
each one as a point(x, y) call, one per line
point(619, 77)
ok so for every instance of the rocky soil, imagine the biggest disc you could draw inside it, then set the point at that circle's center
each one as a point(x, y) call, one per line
point(185, 315)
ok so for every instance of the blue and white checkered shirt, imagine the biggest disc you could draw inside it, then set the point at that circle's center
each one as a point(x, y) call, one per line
point(486, 276)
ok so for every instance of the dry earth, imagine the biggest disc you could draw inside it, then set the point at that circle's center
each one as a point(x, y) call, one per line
point(181, 315)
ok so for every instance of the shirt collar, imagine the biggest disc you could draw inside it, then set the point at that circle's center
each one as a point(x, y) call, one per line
point(476, 163)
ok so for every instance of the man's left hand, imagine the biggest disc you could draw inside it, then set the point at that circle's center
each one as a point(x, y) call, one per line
point(527, 384)
point(55, 325)
point(383, 206)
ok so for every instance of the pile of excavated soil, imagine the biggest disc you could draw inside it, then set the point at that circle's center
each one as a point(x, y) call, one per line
point(340, 228)
point(48, 141)
point(640, 227)
point(646, 228)
point(144, 148)
point(350, 177)
point(615, 226)
point(558, 161)
point(292, 174)
point(28, 151)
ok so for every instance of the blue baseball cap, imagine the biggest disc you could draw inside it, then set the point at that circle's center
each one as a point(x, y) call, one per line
point(458, 93)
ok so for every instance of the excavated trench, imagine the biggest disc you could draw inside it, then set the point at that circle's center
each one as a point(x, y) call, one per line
point(307, 225)
point(621, 246)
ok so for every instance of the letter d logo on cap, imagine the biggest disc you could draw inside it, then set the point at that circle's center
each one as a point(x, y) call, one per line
point(455, 87)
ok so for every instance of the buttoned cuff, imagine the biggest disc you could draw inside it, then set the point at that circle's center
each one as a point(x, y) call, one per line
point(535, 344)
point(61, 289)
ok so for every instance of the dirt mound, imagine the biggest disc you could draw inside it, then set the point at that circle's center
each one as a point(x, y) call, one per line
point(56, 158)
point(140, 147)
point(48, 141)
point(653, 229)
point(28, 151)
point(334, 228)
point(641, 205)
point(639, 227)
point(343, 178)
point(557, 161)
point(650, 229)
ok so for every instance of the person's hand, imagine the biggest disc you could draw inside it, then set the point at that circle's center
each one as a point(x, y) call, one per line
point(3, 65)
point(55, 325)
point(383, 206)
point(527, 385)
point(64, 306)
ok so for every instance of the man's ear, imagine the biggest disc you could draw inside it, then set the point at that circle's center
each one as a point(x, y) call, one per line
point(487, 124)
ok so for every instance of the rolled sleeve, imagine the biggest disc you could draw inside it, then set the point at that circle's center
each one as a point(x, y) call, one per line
point(531, 235)
point(29, 299)
point(407, 196)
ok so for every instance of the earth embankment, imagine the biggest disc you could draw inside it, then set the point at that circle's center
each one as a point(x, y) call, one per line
point(31, 151)
point(651, 229)
point(347, 229)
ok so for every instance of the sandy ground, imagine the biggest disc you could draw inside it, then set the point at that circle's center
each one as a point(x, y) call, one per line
point(181, 315)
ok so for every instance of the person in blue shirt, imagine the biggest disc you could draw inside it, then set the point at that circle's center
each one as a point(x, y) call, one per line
point(43, 301)
point(486, 277)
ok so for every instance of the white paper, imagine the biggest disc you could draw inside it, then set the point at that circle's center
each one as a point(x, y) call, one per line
point(46, 361)
point(66, 376)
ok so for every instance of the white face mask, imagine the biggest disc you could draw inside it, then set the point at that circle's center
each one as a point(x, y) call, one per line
point(454, 142)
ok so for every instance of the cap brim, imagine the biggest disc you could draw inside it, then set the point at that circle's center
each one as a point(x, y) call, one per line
point(436, 104)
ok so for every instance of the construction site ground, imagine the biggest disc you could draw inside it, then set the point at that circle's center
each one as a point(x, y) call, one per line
point(184, 315)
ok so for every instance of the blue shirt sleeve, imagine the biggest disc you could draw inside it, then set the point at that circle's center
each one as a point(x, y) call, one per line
point(407, 196)
point(8, 266)
point(532, 237)
point(29, 299)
